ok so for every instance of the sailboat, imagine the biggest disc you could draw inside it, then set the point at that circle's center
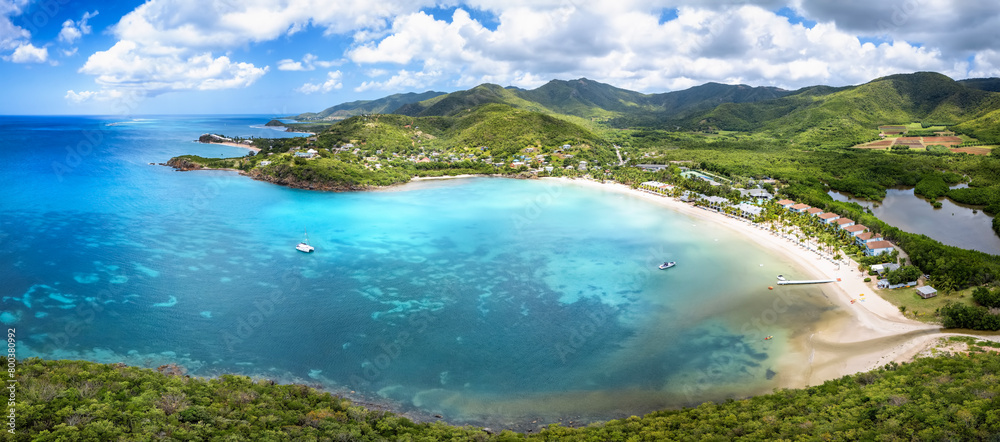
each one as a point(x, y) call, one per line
point(304, 245)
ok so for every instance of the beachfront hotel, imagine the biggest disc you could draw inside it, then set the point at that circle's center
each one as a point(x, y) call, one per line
point(875, 248)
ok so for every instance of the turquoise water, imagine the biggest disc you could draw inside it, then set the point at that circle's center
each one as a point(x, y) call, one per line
point(488, 301)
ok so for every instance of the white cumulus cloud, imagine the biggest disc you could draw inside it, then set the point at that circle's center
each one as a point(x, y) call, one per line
point(402, 80)
point(28, 53)
point(333, 81)
point(227, 23)
point(11, 35)
point(309, 62)
point(129, 66)
point(627, 44)
point(74, 30)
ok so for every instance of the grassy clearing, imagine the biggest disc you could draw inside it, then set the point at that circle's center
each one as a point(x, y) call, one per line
point(923, 309)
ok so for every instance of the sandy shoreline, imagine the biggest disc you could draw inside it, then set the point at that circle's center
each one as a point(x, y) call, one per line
point(858, 337)
point(232, 144)
point(444, 177)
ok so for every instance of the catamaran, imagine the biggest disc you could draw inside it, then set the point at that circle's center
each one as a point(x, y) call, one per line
point(304, 245)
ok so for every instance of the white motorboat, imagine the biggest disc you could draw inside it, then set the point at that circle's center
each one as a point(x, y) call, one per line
point(667, 265)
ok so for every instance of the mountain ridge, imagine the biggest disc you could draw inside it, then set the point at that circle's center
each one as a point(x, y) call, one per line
point(811, 115)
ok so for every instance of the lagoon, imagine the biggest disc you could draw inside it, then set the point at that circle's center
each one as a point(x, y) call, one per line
point(953, 224)
point(488, 301)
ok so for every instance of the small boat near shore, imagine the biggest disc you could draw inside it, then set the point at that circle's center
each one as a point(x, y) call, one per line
point(304, 245)
point(667, 265)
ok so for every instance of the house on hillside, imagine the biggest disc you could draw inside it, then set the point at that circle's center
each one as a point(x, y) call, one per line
point(875, 248)
point(856, 229)
point(814, 211)
point(829, 218)
point(844, 223)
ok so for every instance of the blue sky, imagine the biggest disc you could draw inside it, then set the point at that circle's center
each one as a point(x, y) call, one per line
point(283, 57)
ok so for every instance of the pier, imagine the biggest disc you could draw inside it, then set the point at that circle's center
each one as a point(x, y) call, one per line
point(783, 281)
point(807, 281)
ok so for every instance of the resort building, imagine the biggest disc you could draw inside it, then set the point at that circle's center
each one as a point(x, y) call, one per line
point(882, 269)
point(876, 248)
point(856, 229)
point(800, 208)
point(786, 203)
point(864, 238)
point(926, 292)
point(756, 193)
point(717, 202)
point(844, 223)
point(814, 211)
point(748, 210)
point(829, 218)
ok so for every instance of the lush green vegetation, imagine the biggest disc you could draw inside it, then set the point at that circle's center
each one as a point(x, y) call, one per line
point(986, 297)
point(941, 398)
point(970, 317)
point(903, 275)
point(976, 317)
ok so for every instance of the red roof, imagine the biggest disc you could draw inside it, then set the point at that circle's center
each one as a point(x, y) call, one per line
point(845, 221)
point(800, 206)
point(867, 235)
point(786, 202)
point(879, 245)
point(815, 210)
point(829, 215)
point(855, 228)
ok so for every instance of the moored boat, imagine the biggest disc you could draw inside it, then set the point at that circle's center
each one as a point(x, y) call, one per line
point(304, 245)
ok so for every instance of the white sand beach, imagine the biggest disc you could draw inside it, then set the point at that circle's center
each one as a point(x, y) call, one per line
point(234, 144)
point(866, 335)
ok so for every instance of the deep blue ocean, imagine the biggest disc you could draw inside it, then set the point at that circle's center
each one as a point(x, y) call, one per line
point(488, 301)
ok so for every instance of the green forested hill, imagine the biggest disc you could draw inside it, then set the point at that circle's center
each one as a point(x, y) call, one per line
point(502, 129)
point(588, 99)
point(506, 130)
point(850, 115)
point(463, 101)
point(942, 398)
point(812, 116)
point(986, 84)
